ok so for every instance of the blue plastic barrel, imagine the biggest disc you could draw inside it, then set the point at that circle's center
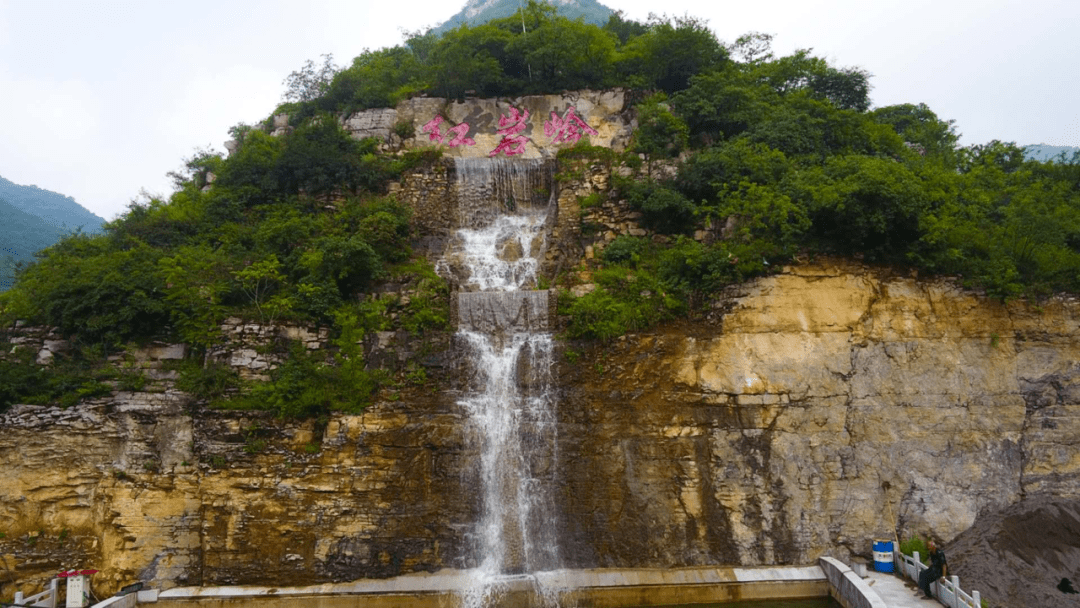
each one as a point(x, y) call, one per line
point(883, 555)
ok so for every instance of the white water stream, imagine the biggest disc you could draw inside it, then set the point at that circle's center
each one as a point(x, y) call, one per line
point(503, 334)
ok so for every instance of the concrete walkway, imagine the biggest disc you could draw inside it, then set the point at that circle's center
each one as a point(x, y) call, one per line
point(897, 592)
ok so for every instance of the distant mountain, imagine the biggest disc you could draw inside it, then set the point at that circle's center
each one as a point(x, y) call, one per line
point(56, 209)
point(21, 234)
point(1044, 152)
point(482, 11)
point(32, 219)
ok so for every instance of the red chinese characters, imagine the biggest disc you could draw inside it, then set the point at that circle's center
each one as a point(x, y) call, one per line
point(434, 128)
point(510, 127)
point(569, 128)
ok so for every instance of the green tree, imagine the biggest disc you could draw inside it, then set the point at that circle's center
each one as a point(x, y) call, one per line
point(95, 294)
point(723, 103)
point(845, 88)
point(564, 54)
point(197, 280)
point(250, 173)
point(376, 79)
point(707, 174)
point(311, 81)
point(259, 281)
point(672, 52)
point(624, 29)
point(918, 125)
point(470, 60)
point(867, 205)
point(318, 158)
point(660, 134)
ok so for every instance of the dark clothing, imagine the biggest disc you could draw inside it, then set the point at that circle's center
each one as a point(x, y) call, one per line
point(934, 572)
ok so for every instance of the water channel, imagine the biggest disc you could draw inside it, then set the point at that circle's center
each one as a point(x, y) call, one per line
point(503, 332)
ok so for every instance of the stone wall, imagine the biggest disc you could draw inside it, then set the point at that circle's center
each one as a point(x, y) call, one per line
point(431, 193)
point(474, 128)
point(606, 113)
point(824, 407)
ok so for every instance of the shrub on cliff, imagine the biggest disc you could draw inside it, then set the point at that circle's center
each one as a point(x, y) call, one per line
point(66, 382)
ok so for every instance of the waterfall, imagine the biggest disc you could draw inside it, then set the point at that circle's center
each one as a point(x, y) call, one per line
point(503, 334)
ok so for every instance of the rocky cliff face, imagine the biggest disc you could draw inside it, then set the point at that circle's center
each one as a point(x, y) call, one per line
point(815, 410)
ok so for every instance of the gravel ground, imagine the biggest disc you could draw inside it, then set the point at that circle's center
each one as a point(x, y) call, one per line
point(1017, 557)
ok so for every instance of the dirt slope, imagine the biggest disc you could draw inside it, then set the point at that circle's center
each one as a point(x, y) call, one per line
point(1017, 557)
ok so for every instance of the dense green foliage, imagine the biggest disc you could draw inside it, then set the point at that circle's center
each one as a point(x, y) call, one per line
point(295, 228)
point(553, 53)
point(781, 156)
point(915, 543)
point(66, 383)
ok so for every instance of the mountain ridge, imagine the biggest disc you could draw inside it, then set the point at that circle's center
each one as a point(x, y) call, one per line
point(58, 210)
point(1046, 152)
point(31, 219)
point(476, 12)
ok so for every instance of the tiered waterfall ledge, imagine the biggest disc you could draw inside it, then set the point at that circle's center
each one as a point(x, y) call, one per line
point(599, 588)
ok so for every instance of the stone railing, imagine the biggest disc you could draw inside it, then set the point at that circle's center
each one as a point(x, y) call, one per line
point(848, 588)
point(45, 599)
point(948, 592)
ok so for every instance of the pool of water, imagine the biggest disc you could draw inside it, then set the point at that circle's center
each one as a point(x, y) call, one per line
point(820, 602)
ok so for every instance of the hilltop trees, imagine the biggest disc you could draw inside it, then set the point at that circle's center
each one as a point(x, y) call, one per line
point(533, 51)
point(310, 81)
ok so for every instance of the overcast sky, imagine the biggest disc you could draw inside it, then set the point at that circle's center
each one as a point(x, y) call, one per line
point(100, 98)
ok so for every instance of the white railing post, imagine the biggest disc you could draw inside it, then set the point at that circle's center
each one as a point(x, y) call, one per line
point(956, 590)
point(54, 587)
point(977, 599)
point(18, 597)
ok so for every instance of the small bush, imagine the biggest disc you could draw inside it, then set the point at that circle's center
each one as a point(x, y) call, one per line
point(404, 129)
point(915, 544)
point(625, 250)
point(626, 299)
point(663, 209)
point(65, 383)
point(209, 383)
point(590, 201)
point(131, 381)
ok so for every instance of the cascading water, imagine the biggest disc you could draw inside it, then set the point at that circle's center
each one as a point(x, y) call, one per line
point(503, 325)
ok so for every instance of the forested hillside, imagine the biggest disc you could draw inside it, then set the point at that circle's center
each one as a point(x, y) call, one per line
point(785, 153)
point(58, 210)
point(21, 234)
point(31, 219)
